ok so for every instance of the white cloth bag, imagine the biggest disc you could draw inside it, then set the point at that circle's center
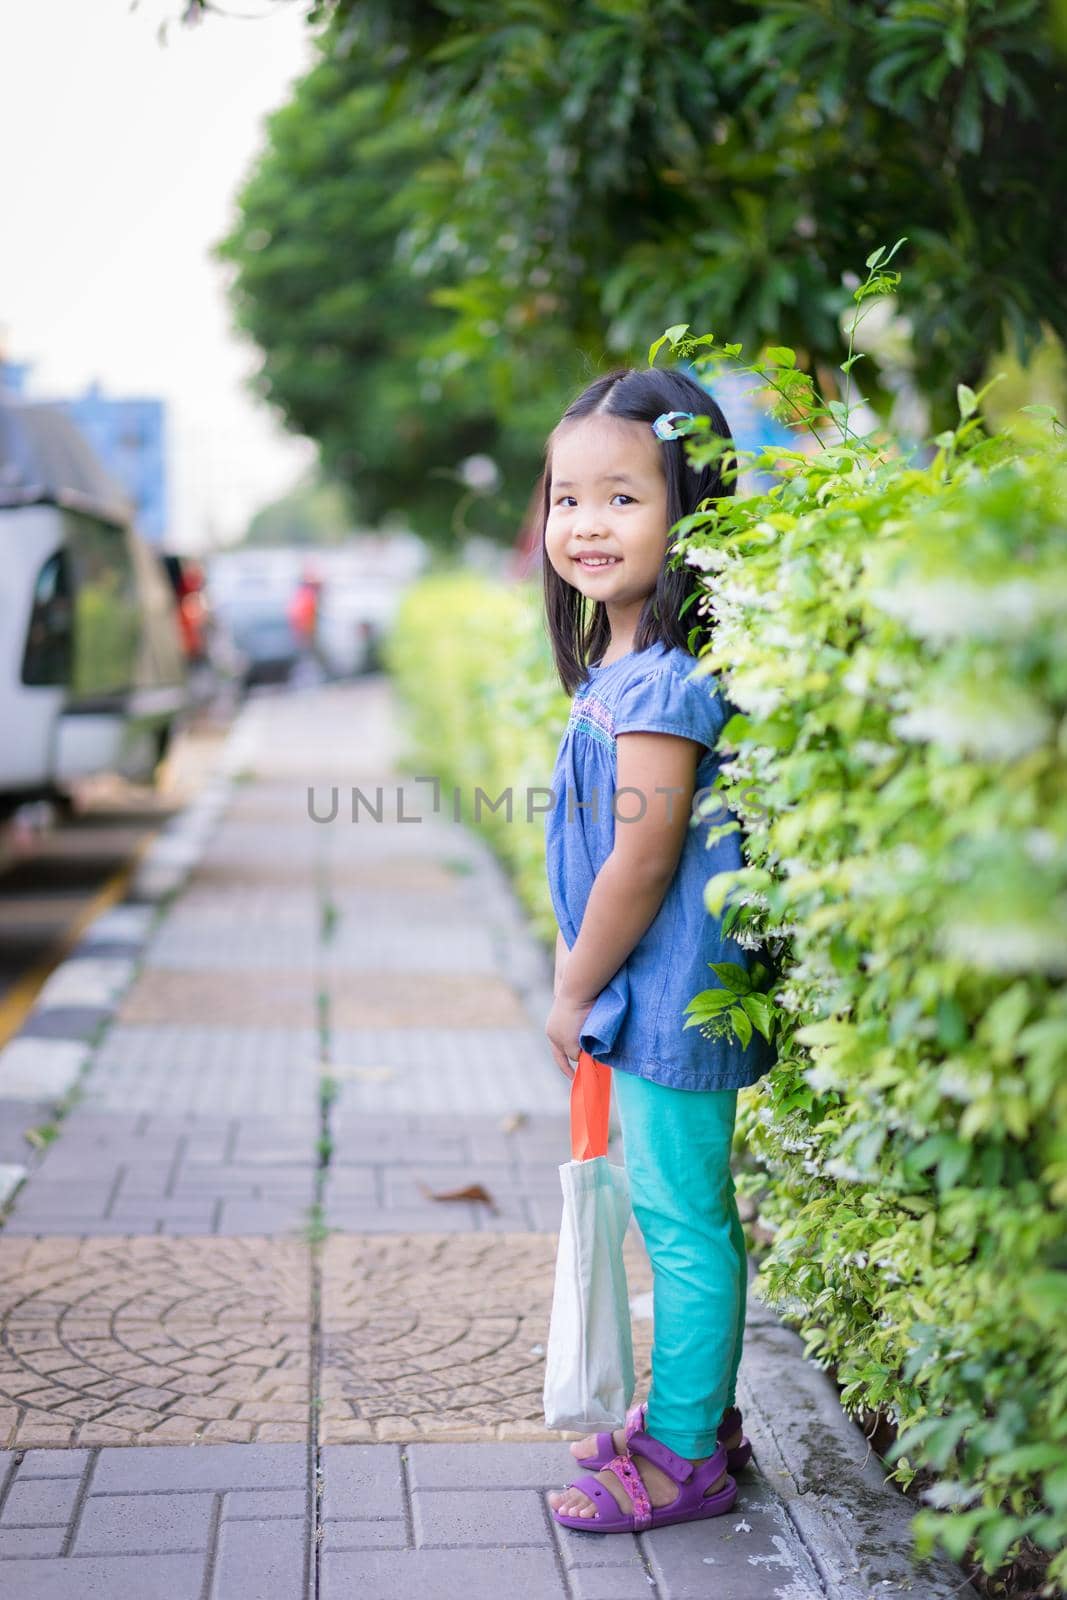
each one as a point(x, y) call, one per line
point(589, 1366)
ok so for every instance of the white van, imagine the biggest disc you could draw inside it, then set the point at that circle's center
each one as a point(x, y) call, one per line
point(92, 676)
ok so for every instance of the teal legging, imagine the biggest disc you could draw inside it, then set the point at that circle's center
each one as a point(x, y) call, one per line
point(676, 1145)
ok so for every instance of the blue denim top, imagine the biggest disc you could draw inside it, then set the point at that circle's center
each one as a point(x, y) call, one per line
point(637, 1023)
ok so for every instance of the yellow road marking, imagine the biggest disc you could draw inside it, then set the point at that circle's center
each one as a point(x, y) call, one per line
point(19, 1000)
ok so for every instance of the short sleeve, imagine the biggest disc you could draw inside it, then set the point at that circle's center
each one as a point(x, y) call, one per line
point(665, 702)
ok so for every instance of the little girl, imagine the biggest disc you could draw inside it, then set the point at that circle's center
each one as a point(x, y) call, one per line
point(627, 864)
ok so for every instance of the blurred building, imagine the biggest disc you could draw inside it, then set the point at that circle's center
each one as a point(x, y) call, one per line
point(128, 435)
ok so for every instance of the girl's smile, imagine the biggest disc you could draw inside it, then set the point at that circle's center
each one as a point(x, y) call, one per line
point(592, 563)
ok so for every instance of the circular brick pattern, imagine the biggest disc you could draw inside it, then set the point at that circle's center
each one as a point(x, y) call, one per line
point(153, 1341)
point(430, 1337)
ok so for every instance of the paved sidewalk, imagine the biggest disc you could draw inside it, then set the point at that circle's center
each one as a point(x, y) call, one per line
point(275, 1298)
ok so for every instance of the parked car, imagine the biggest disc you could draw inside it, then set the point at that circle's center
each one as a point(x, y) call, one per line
point(215, 666)
point(251, 594)
point(364, 582)
point(186, 577)
point(92, 678)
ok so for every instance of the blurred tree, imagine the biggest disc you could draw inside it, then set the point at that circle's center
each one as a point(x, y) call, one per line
point(347, 335)
point(601, 168)
point(315, 512)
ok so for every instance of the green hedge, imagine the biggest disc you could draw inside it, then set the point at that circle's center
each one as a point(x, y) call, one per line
point(893, 637)
point(473, 667)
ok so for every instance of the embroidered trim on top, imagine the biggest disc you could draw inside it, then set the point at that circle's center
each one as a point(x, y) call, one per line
point(590, 715)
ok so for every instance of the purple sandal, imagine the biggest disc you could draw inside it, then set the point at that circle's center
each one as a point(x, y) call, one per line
point(691, 1504)
point(738, 1457)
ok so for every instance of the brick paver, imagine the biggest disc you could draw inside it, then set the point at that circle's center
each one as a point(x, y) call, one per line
point(456, 1067)
point(361, 1002)
point(201, 1069)
point(173, 1174)
point(158, 1524)
point(140, 1340)
point(386, 1167)
point(273, 997)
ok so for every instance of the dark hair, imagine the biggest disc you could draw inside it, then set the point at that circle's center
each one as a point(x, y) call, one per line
point(635, 395)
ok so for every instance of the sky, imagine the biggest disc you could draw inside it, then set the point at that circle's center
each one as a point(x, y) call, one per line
point(123, 160)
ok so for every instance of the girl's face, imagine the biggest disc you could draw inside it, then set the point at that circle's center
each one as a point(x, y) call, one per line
point(608, 499)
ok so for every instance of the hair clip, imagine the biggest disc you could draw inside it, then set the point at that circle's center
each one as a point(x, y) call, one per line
point(663, 426)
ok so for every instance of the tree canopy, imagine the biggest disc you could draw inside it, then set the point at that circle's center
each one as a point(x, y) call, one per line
point(348, 336)
point(508, 198)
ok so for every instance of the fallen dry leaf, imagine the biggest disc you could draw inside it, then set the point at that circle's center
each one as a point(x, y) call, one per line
point(472, 1191)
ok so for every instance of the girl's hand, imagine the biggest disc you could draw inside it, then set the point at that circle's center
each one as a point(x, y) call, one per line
point(563, 1028)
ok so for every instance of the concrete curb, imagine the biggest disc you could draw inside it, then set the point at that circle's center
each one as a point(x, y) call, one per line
point(854, 1523)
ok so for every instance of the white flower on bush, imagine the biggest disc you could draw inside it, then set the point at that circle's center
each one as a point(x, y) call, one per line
point(957, 1084)
point(940, 609)
point(740, 594)
point(748, 694)
point(707, 558)
point(874, 753)
point(778, 636)
point(838, 1167)
point(907, 858)
point(1041, 846)
point(821, 1076)
point(976, 724)
point(949, 1493)
point(1038, 946)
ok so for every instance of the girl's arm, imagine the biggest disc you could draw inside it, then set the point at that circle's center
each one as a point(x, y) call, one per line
point(562, 952)
point(630, 886)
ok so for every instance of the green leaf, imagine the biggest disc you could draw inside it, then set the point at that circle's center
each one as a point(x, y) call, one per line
point(1045, 1294)
point(967, 400)
point(874, 258)
point(954, 1160)
point(673, 333)
point(710, 1001)
point(1054, 1488)
point(952, 1029)
point(742, 1025)
point(1045, 413)
point(781, 355)
point(1030, 1458)
point(759, 1008)
point(732, 976)
point(957, 1532)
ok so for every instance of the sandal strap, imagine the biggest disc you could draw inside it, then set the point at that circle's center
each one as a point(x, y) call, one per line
point(712, 1468)
point(635, 1421)
point(626, 1471)
point(731, 1420)
point(675, 1466)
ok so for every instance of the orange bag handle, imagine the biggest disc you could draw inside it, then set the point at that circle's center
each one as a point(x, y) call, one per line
point(590, 1104)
